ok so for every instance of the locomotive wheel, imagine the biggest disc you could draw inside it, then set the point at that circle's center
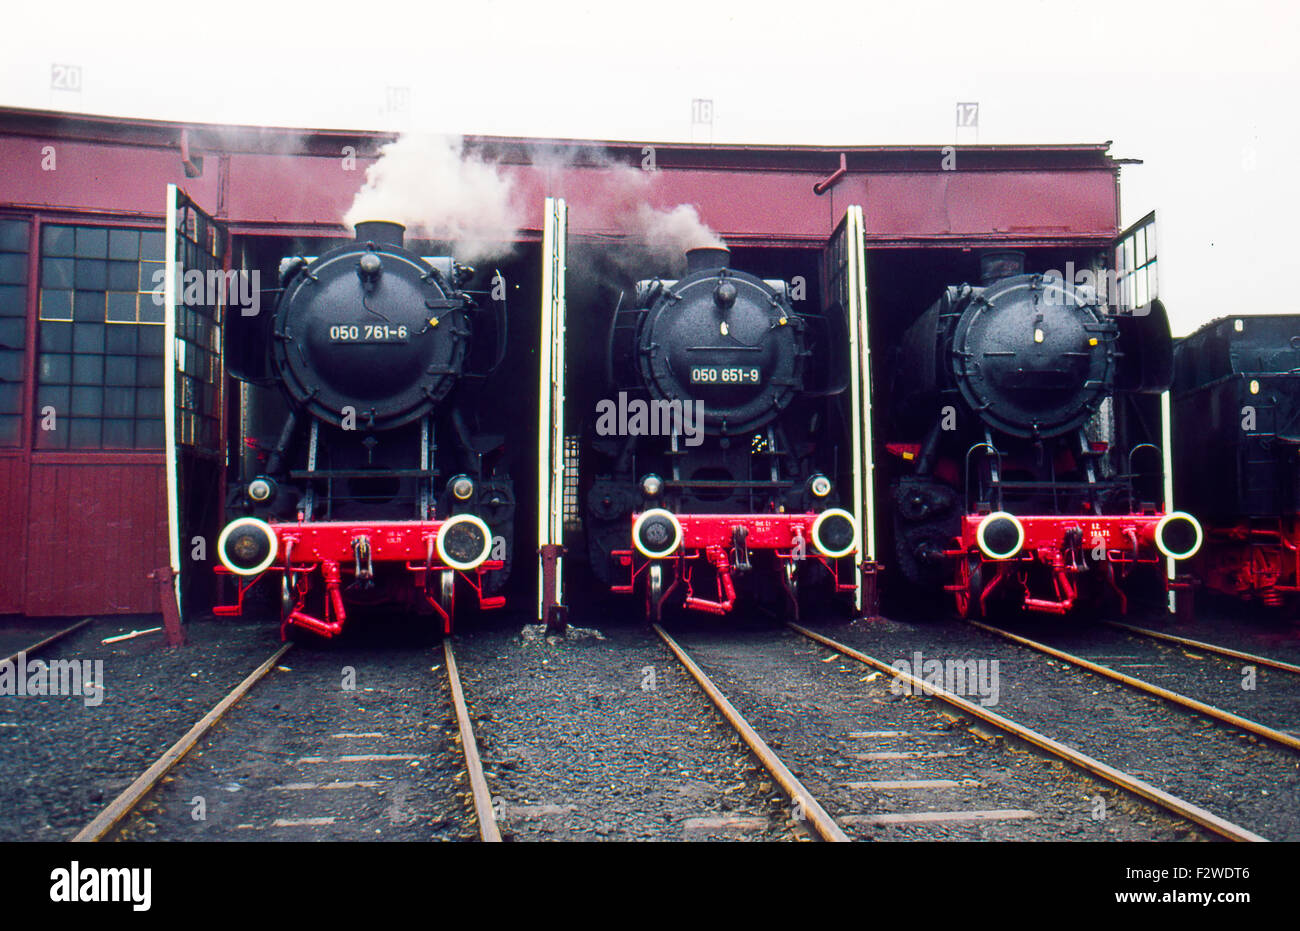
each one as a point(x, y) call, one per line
point(970, 576)
point(654, 591)
point(447, 591)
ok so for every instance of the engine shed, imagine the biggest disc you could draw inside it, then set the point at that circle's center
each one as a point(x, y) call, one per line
point(118, 422)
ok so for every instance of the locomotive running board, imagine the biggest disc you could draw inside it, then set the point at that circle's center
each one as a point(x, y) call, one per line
point(550, 418)
point(849, 279)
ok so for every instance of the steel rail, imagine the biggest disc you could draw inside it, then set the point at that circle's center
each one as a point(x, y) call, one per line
point(40, 645)
point(137, 790)
point(1185, 701)
point(817, 816)
point(1208, 647)
point(1172, 803)
point(487, 819)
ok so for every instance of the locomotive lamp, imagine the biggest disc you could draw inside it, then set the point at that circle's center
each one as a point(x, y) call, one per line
point(651, 485)
point(462, 487)
point(261, 490)
point(657, 533)
point(1179, 535)
point(1000, 535)
point(464, 542)
point(247, 546)
point(820, 486)
point(833, 533)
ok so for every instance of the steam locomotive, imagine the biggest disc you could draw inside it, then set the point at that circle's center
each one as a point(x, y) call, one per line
point(1009, 489)
point(377, 489)
point(728, 473)
point(1236, 425)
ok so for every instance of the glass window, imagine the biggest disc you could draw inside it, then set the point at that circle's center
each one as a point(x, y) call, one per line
point(100, 358)
point(15, 236)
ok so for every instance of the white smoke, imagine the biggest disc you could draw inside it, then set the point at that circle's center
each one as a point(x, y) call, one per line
point(438, 191)
point(618, 197)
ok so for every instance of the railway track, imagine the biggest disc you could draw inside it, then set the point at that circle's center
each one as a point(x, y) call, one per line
point(1220, 715)
point(822, 823)
point(1215, 648)
point(327, 770)
point(929, 763)
point(47, 641)
point(1130, 784)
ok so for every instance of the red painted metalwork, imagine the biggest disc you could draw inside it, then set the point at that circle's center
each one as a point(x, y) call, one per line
point(1127, 540)
point(711, 539)
point(328, 549)
point(1254, 559)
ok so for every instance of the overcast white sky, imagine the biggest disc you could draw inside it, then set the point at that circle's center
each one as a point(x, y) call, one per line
point(1205, 93)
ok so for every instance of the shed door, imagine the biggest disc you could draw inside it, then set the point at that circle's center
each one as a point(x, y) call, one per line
point(550, 425)
point(846, 276)
point(1138, 285)
point(196, 293)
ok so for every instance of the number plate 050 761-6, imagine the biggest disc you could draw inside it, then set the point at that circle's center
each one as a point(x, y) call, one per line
point(368, 333)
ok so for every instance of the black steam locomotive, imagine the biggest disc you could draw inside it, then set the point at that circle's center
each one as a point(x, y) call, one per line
point(377, 487)
point(713, 458)
point(1236, 425)
point(1009, 487)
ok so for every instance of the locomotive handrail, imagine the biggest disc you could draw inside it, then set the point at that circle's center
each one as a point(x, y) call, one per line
point(1133, 474)
point(997, 452)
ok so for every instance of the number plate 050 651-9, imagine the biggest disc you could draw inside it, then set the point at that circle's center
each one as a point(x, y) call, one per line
point(724, 375)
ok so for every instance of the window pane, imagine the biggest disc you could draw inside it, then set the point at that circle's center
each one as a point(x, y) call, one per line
point(152, 244)
point(88, 337)
point(118, 434)
point(120, 370)
point(124, 244)
point(13, 333)
point(57, 273)
point(87, 402)
point(14, 235)
point(88, 306)
point(87, 370)
point(83, 433)
point(11, 428)
point(91, 274)
point(57, 240)
point(119, 402)
point(92, 242)
point(121, 308)
point(119, 339)
point(122, 276)
point(13, 300)
point(56, 337)
point(53, 369)
point(11, 391)
point(56, 305)
point(13, 268)
point(148, 434)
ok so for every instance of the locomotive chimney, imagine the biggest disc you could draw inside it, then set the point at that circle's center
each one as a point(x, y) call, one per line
point(706, 257)
point(380, 232)
point(1000, 264)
